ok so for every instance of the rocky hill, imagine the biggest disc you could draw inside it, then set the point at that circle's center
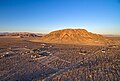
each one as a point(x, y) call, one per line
point(74, 36)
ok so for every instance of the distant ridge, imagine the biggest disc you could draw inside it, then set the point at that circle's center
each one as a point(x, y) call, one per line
point(73, 36)
point(20, 34)
point(110, 35)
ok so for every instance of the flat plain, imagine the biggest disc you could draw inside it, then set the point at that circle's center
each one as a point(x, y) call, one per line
point(23, 60)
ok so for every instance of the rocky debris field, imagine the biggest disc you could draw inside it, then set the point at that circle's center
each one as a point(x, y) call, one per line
point(22, 60)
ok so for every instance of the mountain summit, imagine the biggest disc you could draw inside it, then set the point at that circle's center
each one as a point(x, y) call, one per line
point(73, 36)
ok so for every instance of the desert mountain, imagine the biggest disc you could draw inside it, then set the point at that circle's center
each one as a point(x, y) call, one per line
point(73, 36)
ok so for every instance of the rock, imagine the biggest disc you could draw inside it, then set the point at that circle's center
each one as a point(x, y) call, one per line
point(44, 53)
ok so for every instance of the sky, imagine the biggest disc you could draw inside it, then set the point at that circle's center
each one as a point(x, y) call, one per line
point(44, 16)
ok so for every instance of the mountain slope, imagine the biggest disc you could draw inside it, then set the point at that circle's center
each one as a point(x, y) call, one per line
point(73, 36)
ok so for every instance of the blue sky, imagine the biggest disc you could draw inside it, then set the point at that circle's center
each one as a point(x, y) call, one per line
point(43, 16)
